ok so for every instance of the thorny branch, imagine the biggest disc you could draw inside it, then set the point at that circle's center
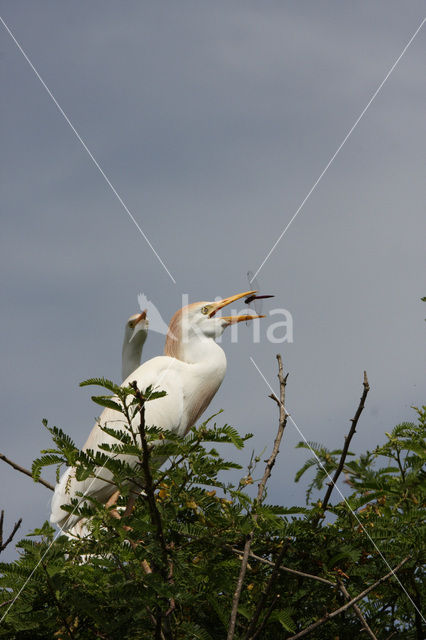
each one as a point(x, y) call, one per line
point(3, 545)
point(360, 596)
point(301, 574)
point(155, 514)
point(252, 632)
point(268, 469)
point(57, 603)
point(345, 450)
point(26, 471)
point(272, 606)
point(357, 610)
point(149, 488)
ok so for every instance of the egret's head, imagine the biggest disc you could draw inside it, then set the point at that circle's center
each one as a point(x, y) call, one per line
point(136, 328)
point(199, 320)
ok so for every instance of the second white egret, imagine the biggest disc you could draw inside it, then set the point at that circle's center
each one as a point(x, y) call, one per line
point(190, 372)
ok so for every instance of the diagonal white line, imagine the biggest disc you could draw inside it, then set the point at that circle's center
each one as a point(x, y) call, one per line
point(86, 148)
point(69, 516)
point(302, 204)
point(341, 494)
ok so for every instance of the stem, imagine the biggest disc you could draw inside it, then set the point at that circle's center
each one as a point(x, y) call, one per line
point(268, 469)
point(398, 459)
point(250, 633)
point(26, 471)
point(16, 526)
point(154, 512)
point(336, 612)
point(266, 618)
point(294, 572)
point(357, 611)
point(57, 603)
point(348, 439)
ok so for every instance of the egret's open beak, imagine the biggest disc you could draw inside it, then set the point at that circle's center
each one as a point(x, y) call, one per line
point(235, 319)
point(215, 306)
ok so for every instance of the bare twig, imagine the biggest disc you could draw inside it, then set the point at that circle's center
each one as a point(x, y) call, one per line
point(155, 514)
point(357, 610)
point(57, 603)
point(266, 618)
point(6, 602)
point(163, 567)
point(251, 629)
point(336, 612)
point(300, 574)
point(16, 526)
point(348, 439)
point(26, 471)
point(261, 488)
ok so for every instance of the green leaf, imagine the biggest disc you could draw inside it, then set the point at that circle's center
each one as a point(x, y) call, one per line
point(106, 401)
point(284, 617)
point(103, 382)
point(193, 630)
point(45, 461)
point(149, 394)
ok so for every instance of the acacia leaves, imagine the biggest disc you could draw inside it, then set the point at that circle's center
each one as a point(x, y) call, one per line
point(172, 562)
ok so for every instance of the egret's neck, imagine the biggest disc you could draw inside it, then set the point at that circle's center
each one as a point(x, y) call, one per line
point(131, 356)
point(207, 366)
point(203, 351)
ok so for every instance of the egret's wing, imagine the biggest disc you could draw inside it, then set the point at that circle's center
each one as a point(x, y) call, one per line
point(164, 374)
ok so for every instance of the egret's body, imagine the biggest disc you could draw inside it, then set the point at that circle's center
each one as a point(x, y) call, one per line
point(190, 373)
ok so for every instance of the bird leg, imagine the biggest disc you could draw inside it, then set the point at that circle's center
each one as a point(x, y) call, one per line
point(128, 510)
point(129, 507)
point(112, 501)
point(130, 504)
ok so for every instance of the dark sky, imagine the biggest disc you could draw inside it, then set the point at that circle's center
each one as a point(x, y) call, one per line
point(213, 120)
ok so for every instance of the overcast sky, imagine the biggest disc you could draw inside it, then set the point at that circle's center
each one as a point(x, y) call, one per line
point(213, 120)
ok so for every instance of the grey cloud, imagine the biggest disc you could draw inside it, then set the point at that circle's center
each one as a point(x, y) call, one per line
point(213, 122)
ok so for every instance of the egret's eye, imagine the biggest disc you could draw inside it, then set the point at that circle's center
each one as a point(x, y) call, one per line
point(131, 325)
point(204, 310)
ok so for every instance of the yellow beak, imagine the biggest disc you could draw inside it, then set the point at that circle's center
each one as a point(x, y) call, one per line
point(215, 306)
point(235, 319)
point(141, 317)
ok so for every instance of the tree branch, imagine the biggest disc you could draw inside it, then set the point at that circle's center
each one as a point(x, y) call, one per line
point(26, 471)
point(267, 615)
point(154, 512)
point(294, 572)
point(357, 610)
point(3, 545)
point(250, 633)
point(58, 605)
point(268, 469)
point(336, 612)
point(345, 450)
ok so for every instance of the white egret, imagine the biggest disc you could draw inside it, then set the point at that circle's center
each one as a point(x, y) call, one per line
point(135, 334)
point(191, 372)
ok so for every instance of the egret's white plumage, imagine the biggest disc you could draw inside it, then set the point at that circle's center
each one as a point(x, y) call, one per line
point(135, 334)
point(191, 372)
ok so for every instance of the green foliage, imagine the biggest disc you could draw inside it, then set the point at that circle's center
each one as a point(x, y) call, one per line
point(176, 558)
